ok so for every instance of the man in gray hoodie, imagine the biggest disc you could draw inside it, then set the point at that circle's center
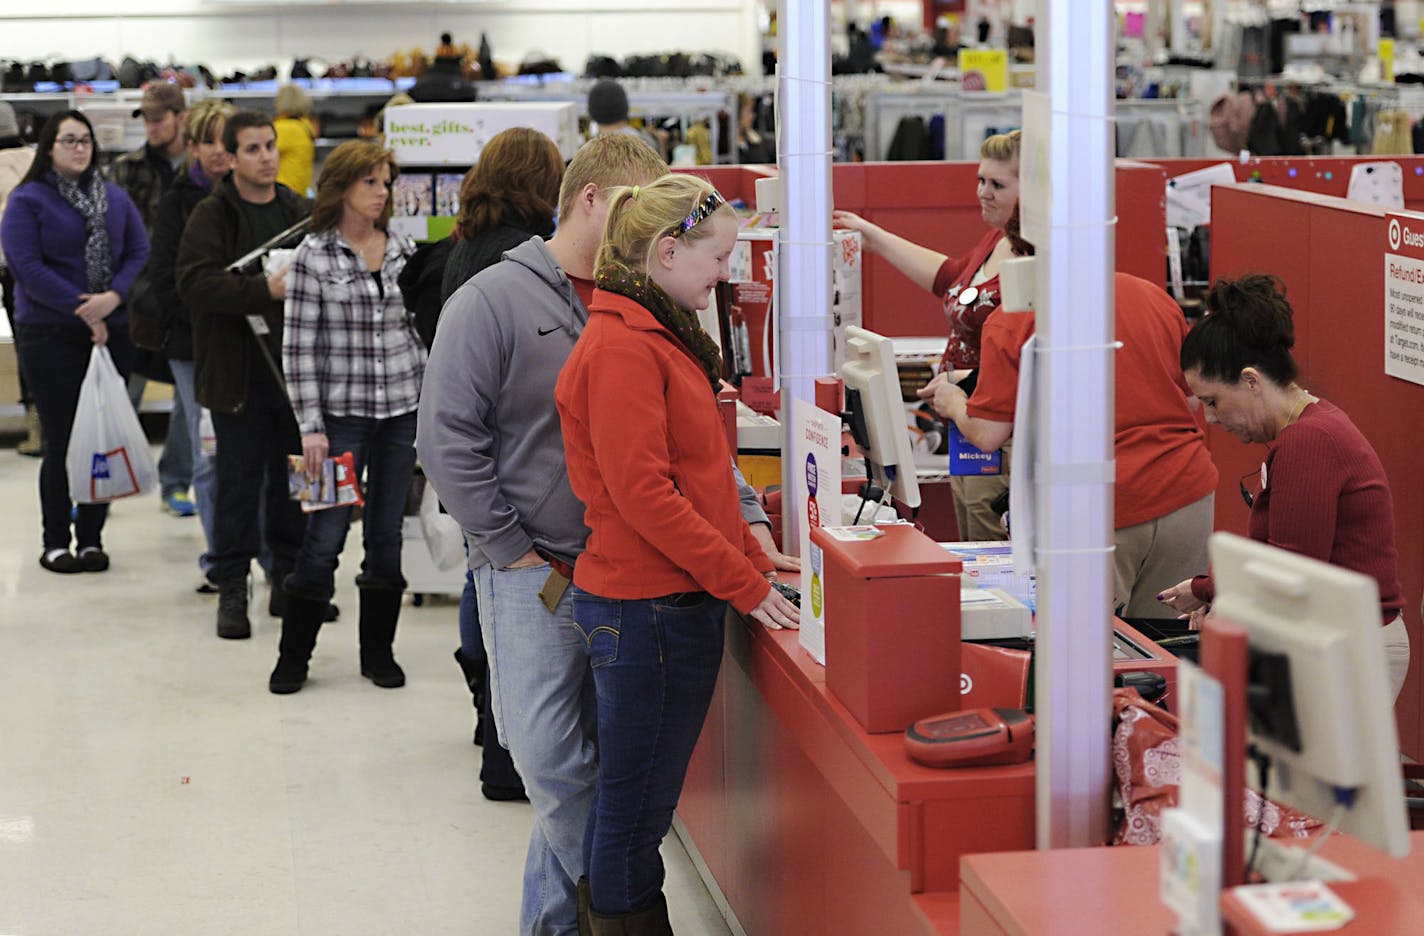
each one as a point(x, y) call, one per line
point(489, 441)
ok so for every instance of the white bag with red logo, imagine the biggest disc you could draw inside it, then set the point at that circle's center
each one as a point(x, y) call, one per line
point(109, 456)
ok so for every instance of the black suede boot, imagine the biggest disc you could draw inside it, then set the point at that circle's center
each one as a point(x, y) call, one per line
point(232, 611)
point(475, 679)
point(652, 921)
point(380, 608)
point(299, 628)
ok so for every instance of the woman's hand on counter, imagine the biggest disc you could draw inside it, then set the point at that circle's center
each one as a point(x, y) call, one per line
point(776, 613)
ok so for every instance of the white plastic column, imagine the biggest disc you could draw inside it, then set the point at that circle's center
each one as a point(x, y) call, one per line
point(803, 273)
point(1073, 418)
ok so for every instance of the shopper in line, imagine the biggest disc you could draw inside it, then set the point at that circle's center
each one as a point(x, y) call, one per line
point(75, 244)
point(15, 159)
point(509, 196)
point(608, 109)
point(668, 548)
point(296, 138)
point(252, 419)
point(208, 163)
point(1323, 492)
point(353, 364)
point(147, 174)
point(969, 286)
point(1164, 499)
point(489, 442)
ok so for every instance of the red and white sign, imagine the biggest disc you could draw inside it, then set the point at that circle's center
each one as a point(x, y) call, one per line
point(1404, 297)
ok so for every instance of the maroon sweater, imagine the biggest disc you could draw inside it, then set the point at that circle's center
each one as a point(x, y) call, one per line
point(1327, 497)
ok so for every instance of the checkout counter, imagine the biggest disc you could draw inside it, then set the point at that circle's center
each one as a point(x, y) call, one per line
point(803, 820)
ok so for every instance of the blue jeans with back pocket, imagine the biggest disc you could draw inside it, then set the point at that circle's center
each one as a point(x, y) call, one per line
point(655, 664)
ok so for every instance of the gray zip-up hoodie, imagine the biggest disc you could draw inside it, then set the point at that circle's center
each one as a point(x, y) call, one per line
point(488, 432)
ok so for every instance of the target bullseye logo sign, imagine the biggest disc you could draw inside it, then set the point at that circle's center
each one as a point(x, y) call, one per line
point(1394, 234)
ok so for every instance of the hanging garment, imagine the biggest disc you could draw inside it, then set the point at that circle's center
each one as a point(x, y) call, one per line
point(911, 141)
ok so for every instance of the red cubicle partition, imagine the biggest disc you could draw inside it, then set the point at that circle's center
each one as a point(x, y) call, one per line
point(935, 204)
point(1329, 252)
point(1320, 175)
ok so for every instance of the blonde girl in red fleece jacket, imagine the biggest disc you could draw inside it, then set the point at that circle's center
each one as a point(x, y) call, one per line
point(668, 550)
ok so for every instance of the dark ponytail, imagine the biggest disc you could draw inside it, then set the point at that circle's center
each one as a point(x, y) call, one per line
point(1248, 323)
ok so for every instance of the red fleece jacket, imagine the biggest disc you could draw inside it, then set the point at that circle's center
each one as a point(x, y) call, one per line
point(648, 456)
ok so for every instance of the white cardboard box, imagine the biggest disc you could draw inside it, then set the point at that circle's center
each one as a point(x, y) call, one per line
point(454, 134)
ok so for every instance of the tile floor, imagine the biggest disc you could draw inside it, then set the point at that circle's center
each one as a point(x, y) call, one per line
point(149, 783)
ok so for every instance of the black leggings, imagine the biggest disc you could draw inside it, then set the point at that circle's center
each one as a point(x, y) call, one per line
point(54, 359)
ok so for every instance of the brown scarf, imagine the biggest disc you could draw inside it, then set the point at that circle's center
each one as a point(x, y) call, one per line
point(617, 278)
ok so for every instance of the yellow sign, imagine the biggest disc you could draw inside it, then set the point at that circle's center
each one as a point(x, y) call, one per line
point(1386, 57)
point(984, 69)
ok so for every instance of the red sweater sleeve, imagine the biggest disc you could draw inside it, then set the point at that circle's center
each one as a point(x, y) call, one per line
point(1305, 476)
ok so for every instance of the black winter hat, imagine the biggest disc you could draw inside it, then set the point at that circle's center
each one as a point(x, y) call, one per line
point(607, 103)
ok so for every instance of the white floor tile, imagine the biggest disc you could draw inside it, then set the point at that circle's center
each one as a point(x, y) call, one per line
point(149, 783)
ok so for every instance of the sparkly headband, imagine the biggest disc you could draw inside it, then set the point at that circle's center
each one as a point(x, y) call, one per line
point(711, 203)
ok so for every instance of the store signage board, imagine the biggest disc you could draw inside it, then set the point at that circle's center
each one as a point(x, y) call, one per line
point(1404, 297)
point(1035, 182)
point(984, 69)
point(455, 134)
point(816, 450)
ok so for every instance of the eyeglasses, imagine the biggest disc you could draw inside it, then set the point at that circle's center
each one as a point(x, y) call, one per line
point(73, 142)
point(701, 213)
point(1246, 494)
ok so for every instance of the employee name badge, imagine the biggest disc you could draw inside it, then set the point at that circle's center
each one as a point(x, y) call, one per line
point(965, 459)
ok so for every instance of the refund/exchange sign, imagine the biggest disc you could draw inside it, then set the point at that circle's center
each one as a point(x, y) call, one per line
point(1404, 297)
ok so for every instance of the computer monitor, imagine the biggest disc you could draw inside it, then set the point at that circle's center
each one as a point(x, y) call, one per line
point(1318, 691)
point(876, 413)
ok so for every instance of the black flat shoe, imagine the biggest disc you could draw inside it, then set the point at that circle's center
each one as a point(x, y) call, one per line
point(93, 559)
point(65, 563)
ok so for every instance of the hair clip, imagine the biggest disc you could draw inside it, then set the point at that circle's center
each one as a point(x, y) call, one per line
point(711, 203)
point(635, 192)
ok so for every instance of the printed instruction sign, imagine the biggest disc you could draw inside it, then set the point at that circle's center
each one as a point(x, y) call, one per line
point(816, 448)
point(1404, 297)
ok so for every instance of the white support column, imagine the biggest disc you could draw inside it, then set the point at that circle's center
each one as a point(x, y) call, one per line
point(803, 273)
point(1068, 163)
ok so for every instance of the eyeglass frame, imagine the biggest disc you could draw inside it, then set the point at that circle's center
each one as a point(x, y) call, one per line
point(1246, 494)
point(72, 143)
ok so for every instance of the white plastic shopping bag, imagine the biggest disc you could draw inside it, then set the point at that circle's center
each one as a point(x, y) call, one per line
point(442, 534)
point(109, 455)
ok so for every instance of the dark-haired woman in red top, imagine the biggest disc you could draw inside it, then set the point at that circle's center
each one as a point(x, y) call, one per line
point(1323, 491)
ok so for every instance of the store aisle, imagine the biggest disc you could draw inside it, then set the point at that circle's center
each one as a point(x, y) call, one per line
point(149, 783)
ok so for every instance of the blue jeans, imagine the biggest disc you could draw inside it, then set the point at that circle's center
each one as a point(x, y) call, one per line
point(383, 451)
point(655, 664)
point(542, 693)
point(496, 766)
point(204, 479)
point(175, 463)
point(251, 472)
point(54, 360)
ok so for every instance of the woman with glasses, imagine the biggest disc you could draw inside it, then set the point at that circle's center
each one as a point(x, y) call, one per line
point(668, 548)
point(74, 243)
point(1323, 491)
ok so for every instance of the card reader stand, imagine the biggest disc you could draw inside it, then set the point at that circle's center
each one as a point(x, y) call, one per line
point(892, 626)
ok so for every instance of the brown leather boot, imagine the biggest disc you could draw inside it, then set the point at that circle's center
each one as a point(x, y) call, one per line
point(652, 921)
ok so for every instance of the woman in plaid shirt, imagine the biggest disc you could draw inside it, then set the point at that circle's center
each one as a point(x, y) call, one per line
point(353, 365)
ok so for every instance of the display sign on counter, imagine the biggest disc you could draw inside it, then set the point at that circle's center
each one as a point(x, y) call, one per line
point(1404, 297)
point(816, 449)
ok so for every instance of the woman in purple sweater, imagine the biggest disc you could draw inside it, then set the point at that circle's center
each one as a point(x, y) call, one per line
point(75, 243)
